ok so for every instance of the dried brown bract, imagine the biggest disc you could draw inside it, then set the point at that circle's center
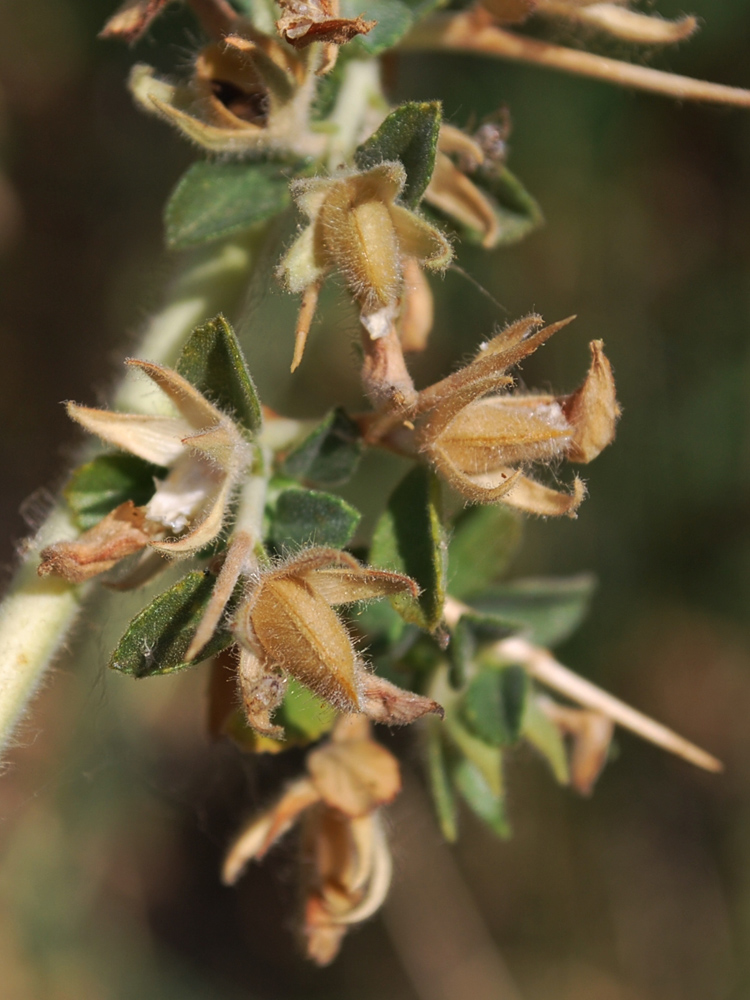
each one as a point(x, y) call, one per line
point(305, 21)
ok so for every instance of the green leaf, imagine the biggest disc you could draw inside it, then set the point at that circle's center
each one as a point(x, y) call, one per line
point(539, 730)
point(307, 517)
point(484, 541)
point(213, 362)
point(516, 211)
point(304, 716)
point(461, 652)
point(330, 455)
point(409, 539)
point(394, 20)
point(101, 485)
point(409, 134)
point(547, 611)
point(440, 782)
point(487, 804)
point(157, 639)
point(493, 704)
point(214, 199)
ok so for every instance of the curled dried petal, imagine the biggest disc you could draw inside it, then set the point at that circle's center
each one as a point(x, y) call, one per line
point(393, 706)
point(593, 410)
point(121, 533)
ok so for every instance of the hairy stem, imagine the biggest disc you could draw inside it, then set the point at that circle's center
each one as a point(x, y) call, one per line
point(37, 614)
point(468, 32)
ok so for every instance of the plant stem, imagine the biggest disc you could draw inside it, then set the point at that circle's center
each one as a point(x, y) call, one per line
point(467, 32)
point(37, 615)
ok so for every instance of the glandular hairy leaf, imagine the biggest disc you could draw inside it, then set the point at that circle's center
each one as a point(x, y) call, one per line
point(409, 538)
point(213, 362)
point(214, 200)
point(484, 801)
point(157, 639)
point(329, 456)
point(308, 517)
point(409, 134)
point(546, 611)
point(494, 704)
point(484, 541)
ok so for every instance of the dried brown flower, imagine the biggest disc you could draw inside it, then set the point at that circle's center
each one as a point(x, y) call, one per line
point(346, 863)
point(288, 626)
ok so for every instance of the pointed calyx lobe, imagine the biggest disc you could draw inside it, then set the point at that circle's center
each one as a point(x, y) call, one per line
point(480, 438)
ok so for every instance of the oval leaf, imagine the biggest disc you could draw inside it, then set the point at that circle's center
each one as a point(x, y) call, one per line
point(547, 611)
point(157, 638)
point(409, 539)
point(329, 456)
point(213, 200)
point(409, 134)
point(308, 517)
point(212, 361)
point(494, 703)
point(483, 543)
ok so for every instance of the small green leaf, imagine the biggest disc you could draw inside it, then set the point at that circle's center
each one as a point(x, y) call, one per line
point(394, 20)
point(541, 732)
point(440, 781)
point(214, 199)
point(330, 455)
point(517, 213)
point(409, 539)
point(484, 541)
point(304, 716)
point(99, 486)
point(409, 134)
point(157, 638)
point(480, 797)
point(308, 517)
point(213, 362)
point(461, 652)
point(547, 611)
point(493, 704)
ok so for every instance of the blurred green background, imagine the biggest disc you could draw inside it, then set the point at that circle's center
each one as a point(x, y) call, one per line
point(115, 808)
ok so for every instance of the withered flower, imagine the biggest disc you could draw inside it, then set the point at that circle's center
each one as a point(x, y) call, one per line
point(346, 863)
point(479, 439)
point(303, 22)
point(615, 18)
point(451, 191)
point(288, 626)
point(248, 93)
point(358, 229)
point(206, 455)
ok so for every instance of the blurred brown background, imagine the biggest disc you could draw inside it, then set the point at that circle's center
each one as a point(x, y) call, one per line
point(114, 809)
